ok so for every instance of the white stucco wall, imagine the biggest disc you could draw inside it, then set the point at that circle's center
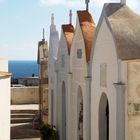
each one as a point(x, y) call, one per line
point(5, 108)
point(53, 47)
point(104, 53)
point(63, 78)
point(78, 68)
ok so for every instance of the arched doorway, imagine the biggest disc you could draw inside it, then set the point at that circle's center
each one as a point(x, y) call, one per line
point(63, 111)
point(103, 118)
point(80, 114)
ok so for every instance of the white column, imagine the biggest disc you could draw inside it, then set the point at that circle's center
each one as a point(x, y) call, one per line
point(69, 107)
point(56, 90)
point(120, 118)
point(88, 101)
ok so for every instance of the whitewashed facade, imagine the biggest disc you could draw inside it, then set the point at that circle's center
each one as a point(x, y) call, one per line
point(64, 82)
point(52, 57)
point(115, 86)
point(79, 67)
point(5, 79)
point(98, 80)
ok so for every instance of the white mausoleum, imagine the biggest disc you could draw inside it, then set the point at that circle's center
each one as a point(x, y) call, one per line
point(64, 81)
point(96, 89)
point(79, 68)
point(115, 71)
point(52, 57)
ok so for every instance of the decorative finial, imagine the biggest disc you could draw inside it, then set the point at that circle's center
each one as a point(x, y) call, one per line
point(70, 14)
point(43, 35)
point(123, 1)
point(52, 18)
point(87, 4)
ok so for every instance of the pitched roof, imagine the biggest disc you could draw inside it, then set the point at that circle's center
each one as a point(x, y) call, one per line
point(88, 29)
point(4, 74)
point(68, 31)
point(125, 26)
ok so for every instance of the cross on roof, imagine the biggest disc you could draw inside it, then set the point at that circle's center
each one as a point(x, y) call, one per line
point(43, 34)
point(123, 1)
point(87, 4)
point(52, 18)
point(70, 15)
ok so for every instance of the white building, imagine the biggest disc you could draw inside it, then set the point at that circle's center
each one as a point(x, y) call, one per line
point(115, 87)
point(5, 78)
point(79, 69)
point(52, 56)
point(64, 82)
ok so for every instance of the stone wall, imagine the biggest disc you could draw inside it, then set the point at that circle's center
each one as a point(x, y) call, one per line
point(133, 100)
point(25, 95)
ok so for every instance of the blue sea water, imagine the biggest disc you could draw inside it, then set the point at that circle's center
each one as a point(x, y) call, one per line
point(23, 68)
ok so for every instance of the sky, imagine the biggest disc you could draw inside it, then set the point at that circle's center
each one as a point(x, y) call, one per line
point(22, 22)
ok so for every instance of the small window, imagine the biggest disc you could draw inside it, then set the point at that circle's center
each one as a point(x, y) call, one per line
point(79, 53)
point(62, 60)
point(103, 75)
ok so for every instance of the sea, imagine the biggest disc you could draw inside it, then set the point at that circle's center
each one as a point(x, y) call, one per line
point(23, 68)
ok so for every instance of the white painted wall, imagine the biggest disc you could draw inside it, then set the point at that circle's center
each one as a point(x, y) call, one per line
point(53, 46)
point(63, 77)
point(104, 53)
point(5, 108)
point(78, 68)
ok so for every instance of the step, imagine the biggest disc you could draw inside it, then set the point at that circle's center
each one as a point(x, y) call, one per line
point(21, 120)
point(23, 115)
point(24, 111)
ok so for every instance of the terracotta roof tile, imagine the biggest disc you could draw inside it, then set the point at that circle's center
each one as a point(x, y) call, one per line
point(88, 29)
point(68, 30)
point(4, 74)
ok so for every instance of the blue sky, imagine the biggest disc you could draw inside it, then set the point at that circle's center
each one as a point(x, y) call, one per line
point(22, 22)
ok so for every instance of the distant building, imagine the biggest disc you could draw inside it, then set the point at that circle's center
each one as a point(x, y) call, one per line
point(28, 81)
point(4, 100)
point(43, 78)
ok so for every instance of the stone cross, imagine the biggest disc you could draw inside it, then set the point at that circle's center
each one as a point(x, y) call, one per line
point(43, 34)
point(87, 6)
point(52, 18)
point(70, 15)
point(123, 1)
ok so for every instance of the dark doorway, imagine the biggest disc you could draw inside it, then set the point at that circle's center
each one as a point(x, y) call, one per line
point(104, 118)
point(80, 114)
